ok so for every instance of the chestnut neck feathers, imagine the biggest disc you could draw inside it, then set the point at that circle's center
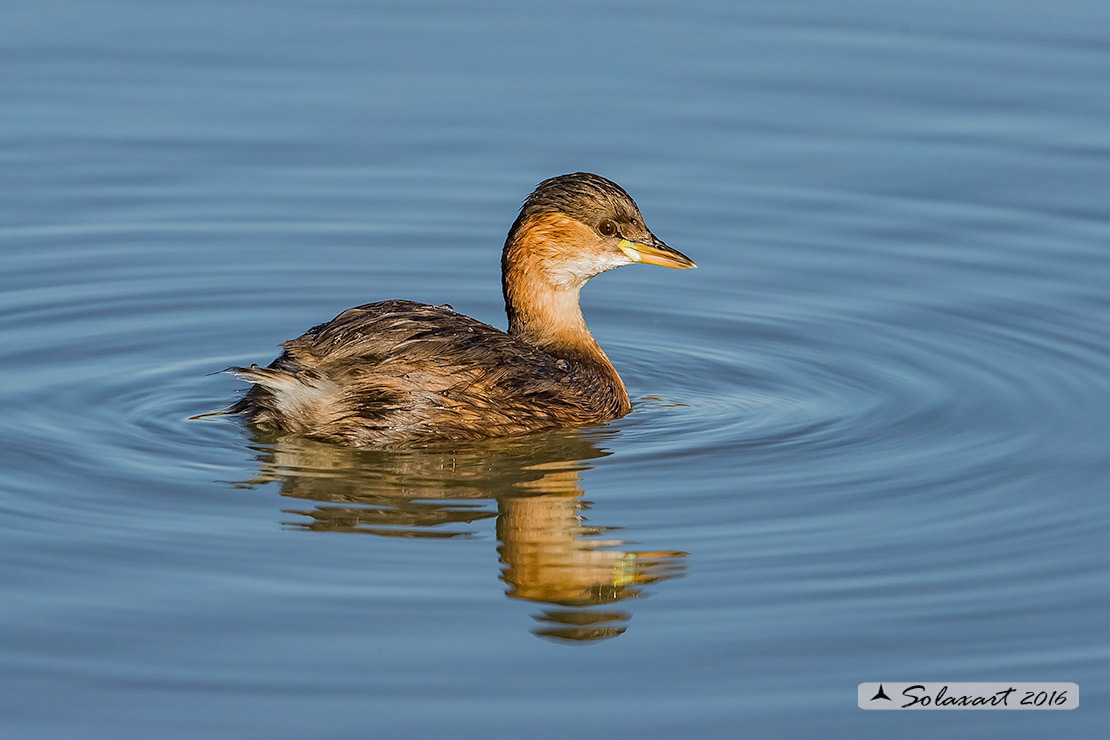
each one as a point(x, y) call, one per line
point(541, 284)
point(552, 249)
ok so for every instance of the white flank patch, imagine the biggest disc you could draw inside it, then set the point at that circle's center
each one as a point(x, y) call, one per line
point(297, 398)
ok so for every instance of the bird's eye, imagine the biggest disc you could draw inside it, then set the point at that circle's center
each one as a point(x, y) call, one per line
point(607, 227)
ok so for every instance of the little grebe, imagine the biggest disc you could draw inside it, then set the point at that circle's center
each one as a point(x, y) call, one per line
point(399, 371)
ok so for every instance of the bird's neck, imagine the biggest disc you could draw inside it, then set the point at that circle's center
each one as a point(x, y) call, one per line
point(544, 311)
point(549, 317)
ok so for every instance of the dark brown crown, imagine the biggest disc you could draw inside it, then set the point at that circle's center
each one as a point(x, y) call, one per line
point(583, 196)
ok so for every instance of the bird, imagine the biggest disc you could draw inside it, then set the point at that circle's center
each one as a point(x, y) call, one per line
point(401, 372)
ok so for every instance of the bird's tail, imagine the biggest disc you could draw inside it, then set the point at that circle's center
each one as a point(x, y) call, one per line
point(269, 378)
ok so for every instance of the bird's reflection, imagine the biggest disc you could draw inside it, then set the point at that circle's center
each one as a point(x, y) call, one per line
point(549, 554)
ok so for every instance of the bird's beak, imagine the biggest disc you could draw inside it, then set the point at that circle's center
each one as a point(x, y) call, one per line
point(656, 253)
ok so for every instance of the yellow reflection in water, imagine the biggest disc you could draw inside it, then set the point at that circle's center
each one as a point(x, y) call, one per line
point(549, 554)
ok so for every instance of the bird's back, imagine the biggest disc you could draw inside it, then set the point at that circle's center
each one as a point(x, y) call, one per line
point(398, 371)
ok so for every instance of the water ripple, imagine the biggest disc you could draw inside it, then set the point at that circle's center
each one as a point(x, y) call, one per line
point(894, 386)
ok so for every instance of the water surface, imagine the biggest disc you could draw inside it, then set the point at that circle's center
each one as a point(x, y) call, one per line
point(869, 438)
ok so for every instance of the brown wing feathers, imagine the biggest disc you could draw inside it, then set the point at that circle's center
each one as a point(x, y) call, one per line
point(402, 370)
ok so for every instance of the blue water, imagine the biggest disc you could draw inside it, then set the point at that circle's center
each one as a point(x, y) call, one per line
point(870, 432)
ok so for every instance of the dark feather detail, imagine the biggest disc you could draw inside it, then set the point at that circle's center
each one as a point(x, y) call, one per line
point(403, 371)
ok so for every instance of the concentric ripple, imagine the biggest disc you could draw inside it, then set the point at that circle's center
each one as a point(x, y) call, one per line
point(877, 380)
point(110, 350)
point(914, 382)
point(870, 431)
point(777, 402)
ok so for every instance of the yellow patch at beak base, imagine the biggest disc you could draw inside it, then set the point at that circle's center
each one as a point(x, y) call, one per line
point(650, 255)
